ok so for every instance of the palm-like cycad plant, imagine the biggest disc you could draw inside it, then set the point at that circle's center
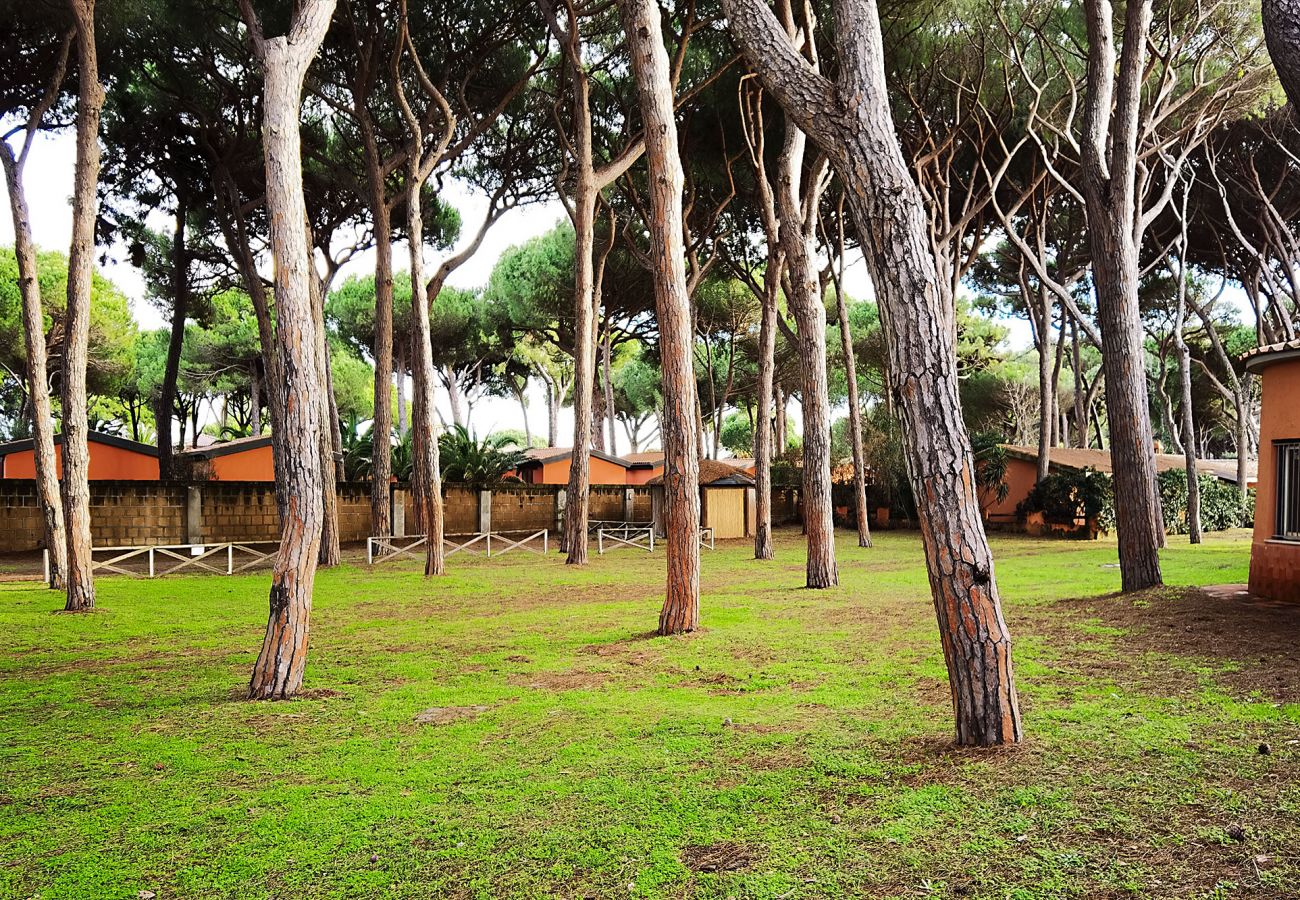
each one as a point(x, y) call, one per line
point(465, 459)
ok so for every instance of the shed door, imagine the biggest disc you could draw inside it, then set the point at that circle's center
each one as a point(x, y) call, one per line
point(726, 511)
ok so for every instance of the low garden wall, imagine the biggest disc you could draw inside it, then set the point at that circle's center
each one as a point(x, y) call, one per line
point(139, 513)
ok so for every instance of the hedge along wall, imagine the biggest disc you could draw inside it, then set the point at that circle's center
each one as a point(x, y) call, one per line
point(139, 513)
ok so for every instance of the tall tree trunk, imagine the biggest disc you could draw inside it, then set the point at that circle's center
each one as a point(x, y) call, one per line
point(175, 343)
point(763, 547)
point(855, 407)
point(781, 421)
point(278, 672)
point(38, 378)
point(552, 414)
point(330, 551)
point(607, 376)
point(805, 303)
point(255, 397)
point(917, 314)
point(1080, 410)
point(681, 609)
point(381, 430)
point(1109, 166)
point(336, 423)
point(403, 411)
point(424, 438)
point(76, 456)
point(1243, 434)
point(584, 340)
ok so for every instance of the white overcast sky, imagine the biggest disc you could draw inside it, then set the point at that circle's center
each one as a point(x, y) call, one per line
point(48, 179)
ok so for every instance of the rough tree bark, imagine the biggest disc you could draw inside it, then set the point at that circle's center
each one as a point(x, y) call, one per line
point(381, 466)
point(330, 552)
point(681, 609)
point(1109, 165)
point(76, 457)
point(852, 124)
point(1282, 32)
point(38, 378)
point(278, 672)
point(805, 303)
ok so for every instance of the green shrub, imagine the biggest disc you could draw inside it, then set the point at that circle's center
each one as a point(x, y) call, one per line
point(1066, 497)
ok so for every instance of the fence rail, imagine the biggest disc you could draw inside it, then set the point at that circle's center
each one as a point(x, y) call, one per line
point(157, 560)
point(640, 537)
point(388, 547)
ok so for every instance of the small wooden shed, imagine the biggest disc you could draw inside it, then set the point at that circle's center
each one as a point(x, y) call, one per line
point(726, 500)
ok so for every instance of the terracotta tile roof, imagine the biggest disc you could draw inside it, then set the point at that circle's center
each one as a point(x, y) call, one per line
point(550, 454)
point(1262, 356)
point(1078, 458)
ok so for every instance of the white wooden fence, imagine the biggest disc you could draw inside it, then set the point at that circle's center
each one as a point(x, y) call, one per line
point(388, 547)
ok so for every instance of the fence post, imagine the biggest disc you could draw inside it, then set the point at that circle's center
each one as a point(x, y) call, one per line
point(230, 559)
point(485, 514)
point(561, 499)
point(193, 514)
point(629, 504)
point(45, 558)
point(397, 513)
point(151, 562)
point(370, 551)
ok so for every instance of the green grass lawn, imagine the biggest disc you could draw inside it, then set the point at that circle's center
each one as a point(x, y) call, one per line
point(798, 746)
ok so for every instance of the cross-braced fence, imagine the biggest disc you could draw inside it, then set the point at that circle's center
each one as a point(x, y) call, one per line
point(386, 548)
point(157, 560)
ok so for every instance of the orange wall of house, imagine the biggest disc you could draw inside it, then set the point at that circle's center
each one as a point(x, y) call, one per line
point(601, 472)
point(1275, 565)
point(107, 463)
point(1020, 478)
point(641, 476)
point(255, 464)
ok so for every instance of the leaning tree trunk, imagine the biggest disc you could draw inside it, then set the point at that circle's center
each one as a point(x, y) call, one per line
point(1108, 167)
point(38, 379)
point(805, 303)
point(855, 414)
point(1282, 32)
point(381, 465)
point(681, 609)
point(76, 456)
point(853, 125)
point(278, 672)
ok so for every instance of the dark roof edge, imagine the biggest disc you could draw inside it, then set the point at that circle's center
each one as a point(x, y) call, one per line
point(110, 440)
point(228, 447)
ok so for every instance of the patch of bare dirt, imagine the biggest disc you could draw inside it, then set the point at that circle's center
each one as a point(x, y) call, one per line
point(445, 715)
point(318, 694)
point(1258, 637)
point(720, 857)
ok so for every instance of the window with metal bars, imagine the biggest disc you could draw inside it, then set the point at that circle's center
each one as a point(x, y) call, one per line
point(1288, 490)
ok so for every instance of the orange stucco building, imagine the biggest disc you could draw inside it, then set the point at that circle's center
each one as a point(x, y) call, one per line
point(245, 459)
point(550, 465)
point(1275, 548)
point(111, 459)
point(1022, 474)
